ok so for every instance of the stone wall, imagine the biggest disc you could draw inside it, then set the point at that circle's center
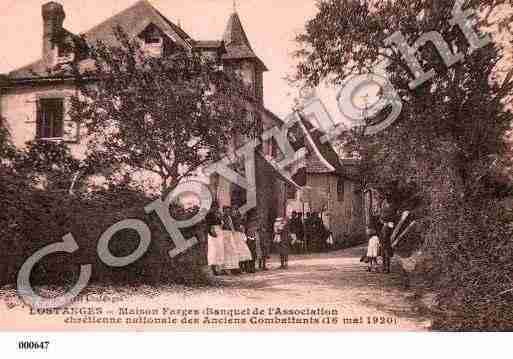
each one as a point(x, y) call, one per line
point(19, 108)
point(345, 216)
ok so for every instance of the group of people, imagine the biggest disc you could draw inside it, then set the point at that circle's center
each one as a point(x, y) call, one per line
point(310, 234)
point(235, 246)
point(232, 248)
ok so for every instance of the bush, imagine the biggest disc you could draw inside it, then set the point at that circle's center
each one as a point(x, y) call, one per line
point(474, 271)
point(35, 219)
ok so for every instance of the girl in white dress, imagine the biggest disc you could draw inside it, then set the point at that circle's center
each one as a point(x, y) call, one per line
point(372, 249)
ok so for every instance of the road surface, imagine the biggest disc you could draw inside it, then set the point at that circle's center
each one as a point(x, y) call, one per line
point(329, 291)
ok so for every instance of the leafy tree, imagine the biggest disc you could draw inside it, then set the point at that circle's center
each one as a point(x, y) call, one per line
point(445, 149)
point(167, 115)
point(49, 161)
point(7, 149)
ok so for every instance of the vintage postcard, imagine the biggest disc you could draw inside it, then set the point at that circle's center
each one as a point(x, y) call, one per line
point(290, 165)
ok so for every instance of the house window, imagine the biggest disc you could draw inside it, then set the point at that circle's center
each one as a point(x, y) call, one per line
point(238, 196)
point(340, 190)
point(154, 47)
point(154, 39)
point(291, 192)
point(155, 43)
point(50, 118)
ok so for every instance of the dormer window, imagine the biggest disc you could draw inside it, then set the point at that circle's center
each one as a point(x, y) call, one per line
point(153, 41)
point(153, 46)
point(65, 59)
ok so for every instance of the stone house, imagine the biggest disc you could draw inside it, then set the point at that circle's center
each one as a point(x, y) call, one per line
point(34, 101)
point(330, 186)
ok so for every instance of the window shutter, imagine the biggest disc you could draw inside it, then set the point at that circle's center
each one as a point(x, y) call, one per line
point(340, 190)
point(58, 120)
point(70, 130)
point(39, 120)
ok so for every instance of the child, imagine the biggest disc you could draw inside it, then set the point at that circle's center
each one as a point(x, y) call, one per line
point(372, 249)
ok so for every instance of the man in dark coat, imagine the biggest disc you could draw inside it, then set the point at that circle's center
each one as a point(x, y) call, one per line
point(215, 249)
point(282, 240)
point(387, 218)
point(295, 226)
point(308, 234)
point(317, 233)
point(265, 245)
point(301, 231)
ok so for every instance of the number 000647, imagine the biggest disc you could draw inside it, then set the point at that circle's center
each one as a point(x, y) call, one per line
point(30, 345)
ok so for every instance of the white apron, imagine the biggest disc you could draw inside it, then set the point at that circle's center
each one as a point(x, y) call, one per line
point(215, 253)
point(242, 248)
point(372, 248)
point(231, 256)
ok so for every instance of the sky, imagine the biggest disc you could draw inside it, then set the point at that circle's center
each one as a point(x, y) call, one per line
point(270, 25)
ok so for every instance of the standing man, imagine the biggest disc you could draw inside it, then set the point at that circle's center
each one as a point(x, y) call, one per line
point(301, 232)
point(317, 233)
point(265, 247)
point(294, 225)
point(215, 251)
point(387, 218)
point(308, 232)
point(282, 240)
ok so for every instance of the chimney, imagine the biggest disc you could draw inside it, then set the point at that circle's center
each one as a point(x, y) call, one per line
point(53, 18)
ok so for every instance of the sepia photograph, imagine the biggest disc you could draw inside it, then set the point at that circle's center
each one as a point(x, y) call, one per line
point(255, 166)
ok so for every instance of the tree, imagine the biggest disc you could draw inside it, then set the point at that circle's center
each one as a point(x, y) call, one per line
point(7, 149)
point(446, 144)
point(167, 115)
point(49, 161)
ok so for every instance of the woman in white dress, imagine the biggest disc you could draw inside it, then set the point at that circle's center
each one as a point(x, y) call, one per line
point(240, 240)
point(231, 255)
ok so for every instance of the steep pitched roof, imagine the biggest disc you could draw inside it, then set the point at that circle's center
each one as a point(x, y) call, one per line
point(322, 157)
point(237, 43)
point(235, 34)
point(132, 20)
point(271, 167)
point(208, 44)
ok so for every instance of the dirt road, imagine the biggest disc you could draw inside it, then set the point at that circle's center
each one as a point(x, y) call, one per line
point(330, 291)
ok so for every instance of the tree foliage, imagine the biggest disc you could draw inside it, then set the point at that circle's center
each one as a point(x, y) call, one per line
point(47, 161)
point(446, 153)
point(35, 216)
point(7, 149)
point(167, 115)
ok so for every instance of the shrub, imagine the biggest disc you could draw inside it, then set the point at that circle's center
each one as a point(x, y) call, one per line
point(35, 219)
